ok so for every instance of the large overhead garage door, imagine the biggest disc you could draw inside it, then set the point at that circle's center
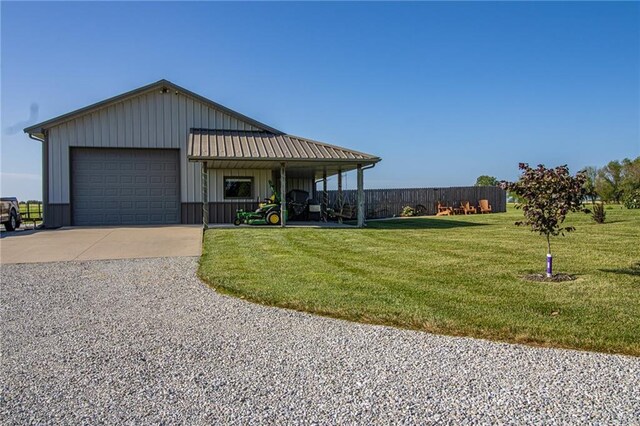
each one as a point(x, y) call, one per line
point(124, 186)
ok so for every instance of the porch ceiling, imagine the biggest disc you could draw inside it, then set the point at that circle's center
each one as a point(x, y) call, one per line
point(301, 169)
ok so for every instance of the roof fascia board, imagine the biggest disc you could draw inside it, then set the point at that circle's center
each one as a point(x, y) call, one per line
point(290, 159)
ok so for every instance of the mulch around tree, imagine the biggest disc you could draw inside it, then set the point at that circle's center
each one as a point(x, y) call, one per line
point(556, 278)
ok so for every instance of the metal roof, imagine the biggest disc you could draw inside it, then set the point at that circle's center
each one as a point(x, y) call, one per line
point(38, 128)
point(252, 146)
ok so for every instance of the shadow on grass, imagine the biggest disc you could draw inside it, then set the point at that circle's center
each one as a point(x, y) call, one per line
point(420, 223)
point(634, 270)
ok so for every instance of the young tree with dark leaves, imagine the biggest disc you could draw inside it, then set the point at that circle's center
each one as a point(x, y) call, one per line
point(547, 196)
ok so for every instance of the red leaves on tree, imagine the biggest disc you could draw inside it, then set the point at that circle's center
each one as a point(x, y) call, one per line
point(548, 195)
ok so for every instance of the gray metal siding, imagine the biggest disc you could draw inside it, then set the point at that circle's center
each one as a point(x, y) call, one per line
point(223, 211)
point(260, 183)
point(57, 215)
point(305, 184)
point(219, 212)
point(124, 186)
point(261, 179)
point(149, 120)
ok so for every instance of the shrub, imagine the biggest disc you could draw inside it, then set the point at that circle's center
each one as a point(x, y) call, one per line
point(632, 200)
point(598, 214)
point(408, 211)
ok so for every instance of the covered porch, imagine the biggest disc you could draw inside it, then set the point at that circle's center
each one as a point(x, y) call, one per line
point(286, 160)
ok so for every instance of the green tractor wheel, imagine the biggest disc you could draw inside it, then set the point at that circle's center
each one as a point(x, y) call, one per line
point(237, 222)
point(273, 218)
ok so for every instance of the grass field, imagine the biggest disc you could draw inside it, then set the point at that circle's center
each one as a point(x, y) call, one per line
point(35, 210)
point(458, 276)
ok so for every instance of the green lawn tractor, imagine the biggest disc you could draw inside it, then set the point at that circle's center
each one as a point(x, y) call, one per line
point(267, 213)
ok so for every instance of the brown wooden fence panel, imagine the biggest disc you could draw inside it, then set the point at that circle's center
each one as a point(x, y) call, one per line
point(380, 203)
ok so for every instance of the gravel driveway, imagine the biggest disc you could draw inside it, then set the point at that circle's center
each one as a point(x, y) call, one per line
point(144, 341)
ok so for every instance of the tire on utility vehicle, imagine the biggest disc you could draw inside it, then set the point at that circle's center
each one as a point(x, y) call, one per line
point(273, 218)
point(237, 222)
point(12, 223)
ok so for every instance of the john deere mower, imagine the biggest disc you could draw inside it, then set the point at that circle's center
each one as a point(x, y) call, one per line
point(267, 213)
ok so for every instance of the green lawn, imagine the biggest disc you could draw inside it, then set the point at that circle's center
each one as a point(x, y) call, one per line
point(458, 275)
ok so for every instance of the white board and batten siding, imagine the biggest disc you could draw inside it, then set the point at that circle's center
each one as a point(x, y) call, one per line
point(147, 120)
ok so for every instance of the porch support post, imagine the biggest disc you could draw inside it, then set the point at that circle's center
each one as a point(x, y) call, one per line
point(340, 198)
point(205, 194)
point(360, 197)
point(325, 195)
point(283, 192)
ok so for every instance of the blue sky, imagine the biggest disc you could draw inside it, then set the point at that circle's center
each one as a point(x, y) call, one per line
point(443, 92)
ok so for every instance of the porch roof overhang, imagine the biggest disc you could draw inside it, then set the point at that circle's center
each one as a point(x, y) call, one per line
point(265, 150)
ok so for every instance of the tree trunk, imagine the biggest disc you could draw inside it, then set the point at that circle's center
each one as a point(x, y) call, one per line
point(549, 258)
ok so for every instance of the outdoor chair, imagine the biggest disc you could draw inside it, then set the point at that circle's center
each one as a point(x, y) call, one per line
point(444, 210)
point(467, 208)
point(485, 207)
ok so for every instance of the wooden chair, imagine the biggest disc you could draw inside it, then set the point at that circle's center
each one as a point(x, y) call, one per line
point(485, 207)
point(444, 210)
point(467, 208)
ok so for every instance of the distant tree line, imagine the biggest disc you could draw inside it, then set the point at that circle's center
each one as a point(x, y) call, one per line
point(617, 182)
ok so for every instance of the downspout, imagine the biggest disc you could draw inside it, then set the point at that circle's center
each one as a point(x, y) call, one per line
point(45, 174)
point(360, 196)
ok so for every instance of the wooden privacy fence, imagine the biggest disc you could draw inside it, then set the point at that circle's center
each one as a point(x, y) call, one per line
point(380, 203)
